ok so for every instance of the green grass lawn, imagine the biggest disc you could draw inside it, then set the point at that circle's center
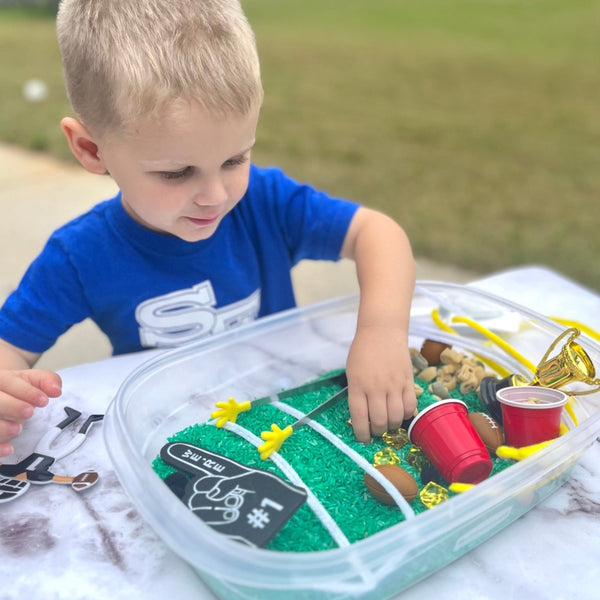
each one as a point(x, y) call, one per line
point(474, 123)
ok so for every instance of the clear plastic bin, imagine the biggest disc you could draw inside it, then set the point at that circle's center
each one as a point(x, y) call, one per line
point(181, 387)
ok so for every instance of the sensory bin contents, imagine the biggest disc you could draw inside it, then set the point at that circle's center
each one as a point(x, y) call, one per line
point(336, 480)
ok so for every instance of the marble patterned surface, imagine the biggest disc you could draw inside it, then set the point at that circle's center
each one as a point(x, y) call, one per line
point(58, 544)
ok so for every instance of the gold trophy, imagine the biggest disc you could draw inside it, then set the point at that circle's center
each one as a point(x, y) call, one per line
point(572, 363)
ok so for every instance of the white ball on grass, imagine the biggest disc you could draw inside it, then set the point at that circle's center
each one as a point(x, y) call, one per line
point(35, 90)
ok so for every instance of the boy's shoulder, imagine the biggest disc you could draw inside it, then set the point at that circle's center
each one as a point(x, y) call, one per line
point(89, 233)
point(261, 176)
point(95, 218)
point(273, 184)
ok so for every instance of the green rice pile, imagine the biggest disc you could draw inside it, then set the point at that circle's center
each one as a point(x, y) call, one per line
point(332, 476)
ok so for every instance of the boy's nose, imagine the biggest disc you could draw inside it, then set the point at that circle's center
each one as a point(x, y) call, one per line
point(211, 190)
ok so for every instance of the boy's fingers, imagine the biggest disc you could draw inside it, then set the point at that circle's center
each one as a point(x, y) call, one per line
point(6, 449)
point(409, 401)
point(20, 393)
point(373, 415)
point(395, 410)
point(8, 430)
point(14, 409)
point(16, 388)
point(359, 413)
point(378, 413)
point(47, 381)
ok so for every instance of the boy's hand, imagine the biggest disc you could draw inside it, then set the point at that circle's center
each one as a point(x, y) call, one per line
point(381, 392)
point(20, 393)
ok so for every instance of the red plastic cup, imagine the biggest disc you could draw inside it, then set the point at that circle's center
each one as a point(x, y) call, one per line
point(527, 423)
point(447, 437)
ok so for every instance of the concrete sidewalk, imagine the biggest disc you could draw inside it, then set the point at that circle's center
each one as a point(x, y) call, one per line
point(38, 194)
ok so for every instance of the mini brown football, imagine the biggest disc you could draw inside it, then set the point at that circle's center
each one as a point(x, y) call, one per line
point(398, 477)
point(488, 430)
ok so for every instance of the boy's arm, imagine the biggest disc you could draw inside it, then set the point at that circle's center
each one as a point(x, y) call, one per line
point(22, 389)
point(380, 376)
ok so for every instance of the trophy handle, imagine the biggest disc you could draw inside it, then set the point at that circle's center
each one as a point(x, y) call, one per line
point(573, 332)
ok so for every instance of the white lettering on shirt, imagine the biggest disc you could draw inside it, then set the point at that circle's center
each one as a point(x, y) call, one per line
point(185, 315)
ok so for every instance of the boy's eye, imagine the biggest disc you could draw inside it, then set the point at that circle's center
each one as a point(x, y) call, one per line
point(188, 171)
point(185, 172)
point(235, 162)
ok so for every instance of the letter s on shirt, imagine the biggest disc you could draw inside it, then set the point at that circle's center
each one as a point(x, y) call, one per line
point(185, 315)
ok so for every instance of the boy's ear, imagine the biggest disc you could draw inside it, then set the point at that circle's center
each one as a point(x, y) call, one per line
point(82, 145)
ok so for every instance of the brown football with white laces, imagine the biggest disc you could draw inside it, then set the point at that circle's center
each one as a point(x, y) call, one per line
point(488, 430)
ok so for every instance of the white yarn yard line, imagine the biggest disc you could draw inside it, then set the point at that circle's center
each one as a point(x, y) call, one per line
point(318, 509)
point(399, 499)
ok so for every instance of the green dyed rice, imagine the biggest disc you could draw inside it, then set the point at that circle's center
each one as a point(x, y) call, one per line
point(332, 477)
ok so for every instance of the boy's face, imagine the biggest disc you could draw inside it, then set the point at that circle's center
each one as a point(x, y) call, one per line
point(182, 174)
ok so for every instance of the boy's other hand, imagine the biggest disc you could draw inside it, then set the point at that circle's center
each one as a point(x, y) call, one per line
point(20, 393)
point(381, 392)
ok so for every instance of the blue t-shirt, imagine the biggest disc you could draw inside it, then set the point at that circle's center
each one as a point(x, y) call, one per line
point(147, 289)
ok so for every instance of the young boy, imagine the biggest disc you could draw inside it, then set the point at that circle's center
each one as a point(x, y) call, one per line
point(167, 96)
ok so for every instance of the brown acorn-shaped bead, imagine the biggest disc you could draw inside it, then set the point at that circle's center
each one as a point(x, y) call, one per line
point(431, 350)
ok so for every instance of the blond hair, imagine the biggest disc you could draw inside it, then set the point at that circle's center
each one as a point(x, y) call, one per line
point(125, 59)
